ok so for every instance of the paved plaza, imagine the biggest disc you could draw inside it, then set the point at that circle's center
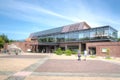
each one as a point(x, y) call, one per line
point(29, 66)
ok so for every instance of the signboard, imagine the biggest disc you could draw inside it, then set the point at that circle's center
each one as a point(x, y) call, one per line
point(104, 49)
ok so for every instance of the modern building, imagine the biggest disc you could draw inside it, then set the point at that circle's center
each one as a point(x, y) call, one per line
point(78, 36)
point(74, 36)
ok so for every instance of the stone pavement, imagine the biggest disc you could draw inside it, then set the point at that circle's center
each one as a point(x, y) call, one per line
point(52, 67)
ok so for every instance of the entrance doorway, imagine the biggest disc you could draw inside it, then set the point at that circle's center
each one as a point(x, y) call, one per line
point(46, 48)
point(92, 50)
point(73, 48)
point(83, 46)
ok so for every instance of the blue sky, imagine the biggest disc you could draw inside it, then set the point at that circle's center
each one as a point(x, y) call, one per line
point(19, 18)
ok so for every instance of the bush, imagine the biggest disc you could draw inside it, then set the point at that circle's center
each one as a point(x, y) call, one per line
point(82, 52)
point(108, 54)
point(59, 51)
point(73, 52)
point(108, 57)
point(68, 52)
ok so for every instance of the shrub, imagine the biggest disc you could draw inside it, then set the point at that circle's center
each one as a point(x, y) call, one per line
point(73, 52)
point(68, 52)
point(108, 54)
point(59, 51)
point(82, 52)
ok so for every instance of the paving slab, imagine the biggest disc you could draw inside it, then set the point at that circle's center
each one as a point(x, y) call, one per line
point(68, 78)
point(74, 66)
point(52, 67)
point(15, 64)
point(3, 77)
point(23, 56)
point(116, 75)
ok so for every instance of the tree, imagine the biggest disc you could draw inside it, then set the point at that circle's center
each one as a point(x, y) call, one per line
point(118, 39)
point(1, 42)
point(5, 38)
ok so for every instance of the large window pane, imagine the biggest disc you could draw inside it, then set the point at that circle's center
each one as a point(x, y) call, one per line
point(100, 33)
point(66, 37)
point(93, 33)
point(72, 36)
point(60, 38)
point(106, 33)
point(86, 35)
point(81, 35)
point(112, 34)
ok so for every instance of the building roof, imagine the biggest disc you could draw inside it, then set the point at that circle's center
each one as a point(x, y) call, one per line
point(75, 27)
point(63, 29)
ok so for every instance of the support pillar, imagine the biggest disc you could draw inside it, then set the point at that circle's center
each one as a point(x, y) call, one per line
point(55, 48)
point(47, 50)
point(66, 47)
point(33, 48)
point(80, 47)
point(36, 48)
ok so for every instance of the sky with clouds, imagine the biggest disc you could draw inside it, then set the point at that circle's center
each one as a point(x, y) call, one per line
point(19, 18)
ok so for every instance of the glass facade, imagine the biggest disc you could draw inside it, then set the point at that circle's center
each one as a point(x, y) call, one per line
point(92, 34)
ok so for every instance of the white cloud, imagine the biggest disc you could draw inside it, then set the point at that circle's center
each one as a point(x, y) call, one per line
point(34, 13)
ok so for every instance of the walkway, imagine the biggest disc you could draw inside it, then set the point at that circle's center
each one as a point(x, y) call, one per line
point(47, 67)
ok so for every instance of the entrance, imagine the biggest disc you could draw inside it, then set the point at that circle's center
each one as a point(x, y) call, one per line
point(46, 48)
point(73, 48)
point(83, 46)
point(92, 50)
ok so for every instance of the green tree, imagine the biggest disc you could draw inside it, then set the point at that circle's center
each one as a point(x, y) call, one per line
point(1, 42)
point(118, 39)
point(5, 38)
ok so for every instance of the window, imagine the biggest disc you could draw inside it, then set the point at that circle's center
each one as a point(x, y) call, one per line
point(92, 34)
point(106, 31)
point(81, 35)
point(100, 33)
point(86, 35)
point(60, 38)
point(66, 37)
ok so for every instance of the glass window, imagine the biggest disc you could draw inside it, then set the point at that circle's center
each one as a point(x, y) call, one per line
point(76, 36)
point(113, 34)
point(42, 39)
point(51, 38)
point(81, 35)
point(71, 36)
point(66, 36)
point(100, 33)
point(106, 33)
point(60, 38)
point(93, 33)
point(86, 35)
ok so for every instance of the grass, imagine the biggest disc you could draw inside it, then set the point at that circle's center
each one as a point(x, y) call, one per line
point(92, 56)
point(108, 57)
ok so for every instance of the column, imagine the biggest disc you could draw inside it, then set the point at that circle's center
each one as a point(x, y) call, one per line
point(55, 48)
point(37, 48)
point(33, 48)
point(80, 47)
point(66, 47)
point(46, 49)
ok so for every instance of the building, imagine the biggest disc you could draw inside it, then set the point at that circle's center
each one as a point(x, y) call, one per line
point(76, 36)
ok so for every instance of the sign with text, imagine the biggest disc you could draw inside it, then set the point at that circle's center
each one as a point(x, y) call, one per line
point(104, 49)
